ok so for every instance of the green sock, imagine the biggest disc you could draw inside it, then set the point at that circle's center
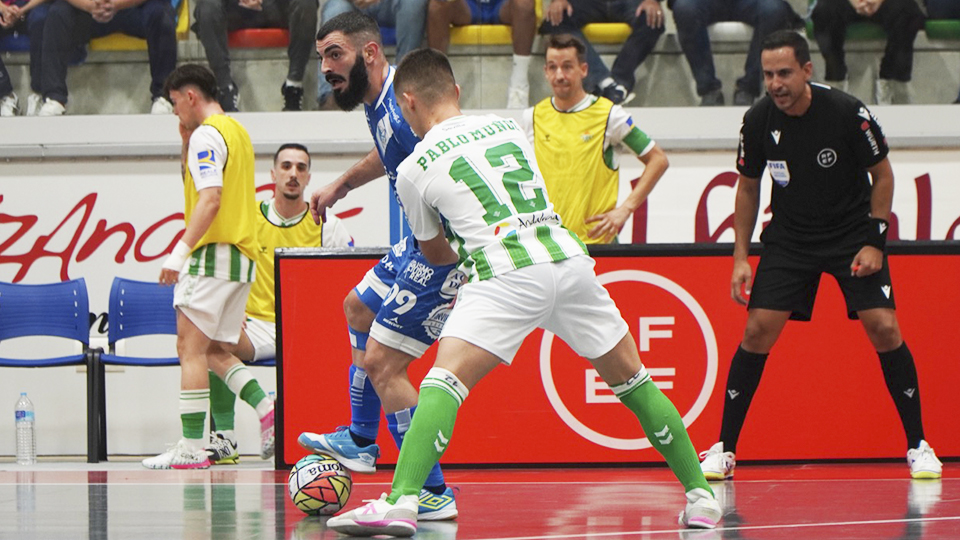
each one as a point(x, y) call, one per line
point(664, 428)
point(194, 405)
point(222, 401)
point(425, 442)
point(252, 393)
point(241, 382)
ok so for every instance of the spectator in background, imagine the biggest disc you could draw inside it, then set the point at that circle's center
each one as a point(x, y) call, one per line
point(520, 15)
point(900, 19)
point(646, 23)
point(214, 18)
point(694, 16)
point(72, 23)
point(408, 17)
point(575, 136)
point(944, 9)
point(23, 17)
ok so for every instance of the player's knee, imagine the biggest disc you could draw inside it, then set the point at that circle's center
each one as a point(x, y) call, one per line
point(358, 315)
point(884, 334)
point(757, 337)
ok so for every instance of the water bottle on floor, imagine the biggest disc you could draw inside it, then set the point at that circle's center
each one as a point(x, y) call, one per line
point(26, 440)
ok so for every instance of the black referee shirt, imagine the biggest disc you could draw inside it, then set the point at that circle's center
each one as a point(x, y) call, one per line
point(818, 163)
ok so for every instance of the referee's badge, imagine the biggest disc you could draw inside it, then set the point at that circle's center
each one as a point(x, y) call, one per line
point(779, 172)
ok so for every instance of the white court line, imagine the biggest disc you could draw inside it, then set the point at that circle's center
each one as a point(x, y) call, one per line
point(721, 529)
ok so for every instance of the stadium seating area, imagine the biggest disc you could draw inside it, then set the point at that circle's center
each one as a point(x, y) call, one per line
point(481, 58)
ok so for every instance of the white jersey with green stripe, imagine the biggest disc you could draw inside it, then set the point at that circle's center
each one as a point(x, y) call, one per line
point(480, 176)
point(223, 261)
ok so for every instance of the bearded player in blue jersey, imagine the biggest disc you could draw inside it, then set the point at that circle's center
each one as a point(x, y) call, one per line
point(402, 302)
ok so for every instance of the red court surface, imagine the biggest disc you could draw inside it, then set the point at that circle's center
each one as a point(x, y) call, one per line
point(120, 500)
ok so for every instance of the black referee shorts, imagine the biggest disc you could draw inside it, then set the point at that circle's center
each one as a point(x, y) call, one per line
point(787, 280)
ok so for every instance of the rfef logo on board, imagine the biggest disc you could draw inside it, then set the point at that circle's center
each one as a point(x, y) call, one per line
point(676, 343)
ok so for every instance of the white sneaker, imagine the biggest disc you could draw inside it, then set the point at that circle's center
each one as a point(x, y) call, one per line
point(34, 101)
point(923, 462)
point(702, 510)
point(518, 97)
point(717, 464)
point(51, 107)
point(379, 518)
point(180, 456)
point(161, 106)
point(9, 105)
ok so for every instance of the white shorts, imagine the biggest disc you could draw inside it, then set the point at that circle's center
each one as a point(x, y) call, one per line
point(565, 298)
point(263, 336)
point(215, 305)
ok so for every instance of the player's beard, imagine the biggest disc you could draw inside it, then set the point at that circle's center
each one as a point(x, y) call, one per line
point(357, 85)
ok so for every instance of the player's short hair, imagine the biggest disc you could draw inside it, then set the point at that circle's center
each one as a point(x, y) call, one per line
point(192, 75)
point(356, 26)
point(567, 41)
point(427, 74)
point(294, 146)
point(788, 38)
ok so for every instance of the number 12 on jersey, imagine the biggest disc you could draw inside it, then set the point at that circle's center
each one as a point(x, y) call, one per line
point(490, 192)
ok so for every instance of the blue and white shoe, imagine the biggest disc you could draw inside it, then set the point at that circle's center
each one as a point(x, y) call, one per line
point(435, 507)
point(340, 446)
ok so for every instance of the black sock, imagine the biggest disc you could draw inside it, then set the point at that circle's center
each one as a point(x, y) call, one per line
point(361, 441)
point(742, 382)
point(900, 373)
point(436, 490)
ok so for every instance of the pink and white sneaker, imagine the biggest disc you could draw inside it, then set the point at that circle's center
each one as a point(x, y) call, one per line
point(702, 510)
point(378, 517)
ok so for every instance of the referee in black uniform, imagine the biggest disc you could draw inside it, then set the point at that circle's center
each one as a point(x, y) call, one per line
point(822, 148)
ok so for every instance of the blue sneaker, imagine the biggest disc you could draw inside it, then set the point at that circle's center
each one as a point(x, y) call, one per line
point(435, 507)
point(340, 446)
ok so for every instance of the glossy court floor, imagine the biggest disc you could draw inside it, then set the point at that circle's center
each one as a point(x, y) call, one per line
point(121, 500)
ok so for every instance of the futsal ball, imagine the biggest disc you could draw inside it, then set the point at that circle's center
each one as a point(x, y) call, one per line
point(319, 485)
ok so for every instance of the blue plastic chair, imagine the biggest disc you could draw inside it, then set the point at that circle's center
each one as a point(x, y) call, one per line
point(53, 309)
point(139, 308)
point(56, 310)
point(136, 308)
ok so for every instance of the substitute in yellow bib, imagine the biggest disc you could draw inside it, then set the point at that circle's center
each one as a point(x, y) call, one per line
point(576, 136)
point(281, 222)
point(213, 263)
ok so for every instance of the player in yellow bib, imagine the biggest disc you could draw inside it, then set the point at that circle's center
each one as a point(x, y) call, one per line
point(212, 264)
point(281, 222)
point(576, 136)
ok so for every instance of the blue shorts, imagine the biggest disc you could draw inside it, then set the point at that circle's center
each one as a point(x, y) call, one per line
point(411, 298)
point(485, 11)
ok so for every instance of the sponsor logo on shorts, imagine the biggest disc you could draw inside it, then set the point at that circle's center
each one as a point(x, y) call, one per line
point(434, 322)
point(392, 321)
point(418, 273)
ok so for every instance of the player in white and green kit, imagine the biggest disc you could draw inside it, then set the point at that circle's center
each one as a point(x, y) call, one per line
point(478, 174)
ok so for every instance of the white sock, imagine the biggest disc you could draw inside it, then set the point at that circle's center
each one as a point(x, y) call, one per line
point(606, 82)
point(228, 434)
point(295, 84)
point(518, 77)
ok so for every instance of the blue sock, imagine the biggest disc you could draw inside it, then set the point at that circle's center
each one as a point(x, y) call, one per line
point(398, 423)
point(364, 408)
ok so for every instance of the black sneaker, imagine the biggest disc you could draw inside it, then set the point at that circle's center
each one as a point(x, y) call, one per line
point(713, 98)
point(617, 93)
point(230, 98)
point(292, 97)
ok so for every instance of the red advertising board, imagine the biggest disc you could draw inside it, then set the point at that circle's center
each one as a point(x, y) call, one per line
point(822, 396)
